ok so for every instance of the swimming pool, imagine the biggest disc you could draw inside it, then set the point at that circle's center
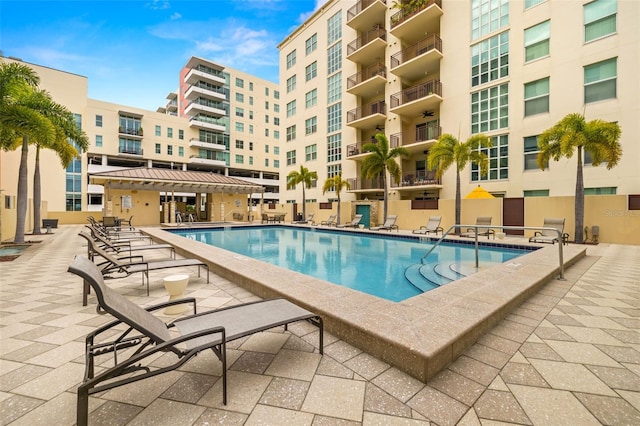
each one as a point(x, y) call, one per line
point(371, 263)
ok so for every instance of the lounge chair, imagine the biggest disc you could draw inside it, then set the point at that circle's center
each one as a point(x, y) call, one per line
point(388, 224)
point(433, 225)
point(484, 221)
point(330, 221)
point(151, 337)
point(353, 224)
point(120, 247)
point(308, 221)
point(119, 267)
point(549, 236)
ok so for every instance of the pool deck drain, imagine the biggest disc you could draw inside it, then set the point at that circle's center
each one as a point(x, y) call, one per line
point(420, 335)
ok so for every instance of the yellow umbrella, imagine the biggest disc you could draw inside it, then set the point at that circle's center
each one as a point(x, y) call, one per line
point(479, 192)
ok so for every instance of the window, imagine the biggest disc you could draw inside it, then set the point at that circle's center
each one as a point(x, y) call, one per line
point(276, 94)
point(239, 127)
point(536, 97)
point(600, 81)
point(334, 118)
point(239, 97)
point(239, 144)
point(98, 121)
point(490, 59)
point(599, 19)
point(250, 100)
point(334, 147)
point(536, 193)
point(266, 104)
point(250, 129)
point(181, 134)
point(169, 149)
point(291, 158)
point(158, 131)
point(251, 160)
point(98, 141)
point(311, 44)
point(251, 86)
point(266, 119)
point(606, 190)
point(531, 151)
point(276, 164)
point(311, 98)
point(498, 156)
point(276, 134)
point(334, 58)
point(334, 88)
point(250, 115)
point(266, 162)
point(266, 132)
point(291, 133)
point(291, 108)
point(334, 28)
point(266, 149)
point(488, 16)
point(266, 91)
point(291, 83)
point(291, 59)
point(310, 125)
point(169, 132)
point(239, 82)
point(536, 41)
point(181, 151)
point(158, 149)
point(310, 152)
point(130, 125)
point(276, 150)
point(490, 109)
point(276, 121)
point(239, 159)
point(239, 112)
point(531, 3)
point(311, 71)
point(276, 107)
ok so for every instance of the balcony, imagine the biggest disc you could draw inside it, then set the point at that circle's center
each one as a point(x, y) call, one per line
point(422, 19)
point(131, 132)
point(130, 151)
point(206, 124)
point(371, 80)
point(195, 75)
point(196, 159)
point(366, 185)
point(199, 106)
point(417, 140)
point(194, 92)
point(368, 116)
point(355, 149)
point(195, 143)
point(417, 99)
point(371, 44)
point(366, 13)
point(419, 59)
point(415, 179)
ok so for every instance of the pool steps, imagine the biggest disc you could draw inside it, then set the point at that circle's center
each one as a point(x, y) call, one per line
point(432, 275)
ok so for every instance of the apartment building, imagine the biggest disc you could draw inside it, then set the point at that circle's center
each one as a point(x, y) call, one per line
point(415, 70)
point(220, 120)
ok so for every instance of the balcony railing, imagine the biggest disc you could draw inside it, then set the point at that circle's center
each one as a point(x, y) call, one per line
point(359, 184)
point(421, 134)
point(356, 148)
point(359, 7)
point(408, 12)
point(425, 45)
point(417, 178)
point(365, 39)
point(130, 131)
point(130, 150)
point(369, 72)
point(431, 87)
point(378, 107)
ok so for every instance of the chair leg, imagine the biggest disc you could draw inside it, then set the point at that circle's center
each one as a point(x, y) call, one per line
point(82, 410)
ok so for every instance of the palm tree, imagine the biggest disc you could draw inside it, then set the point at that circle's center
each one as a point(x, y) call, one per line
point(573, 134)
point(338, 184)
point(448, 151)
point(380, 161)
point(305, 177)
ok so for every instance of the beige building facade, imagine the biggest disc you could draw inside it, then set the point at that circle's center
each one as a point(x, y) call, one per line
point(509, 69)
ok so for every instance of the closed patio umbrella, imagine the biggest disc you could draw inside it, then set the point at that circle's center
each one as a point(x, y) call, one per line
point(479, 192)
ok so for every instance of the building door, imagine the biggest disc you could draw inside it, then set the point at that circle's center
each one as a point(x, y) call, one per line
point(365, 211)
point(513, 214)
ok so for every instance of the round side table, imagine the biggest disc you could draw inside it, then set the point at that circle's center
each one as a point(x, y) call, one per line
point(175, 286)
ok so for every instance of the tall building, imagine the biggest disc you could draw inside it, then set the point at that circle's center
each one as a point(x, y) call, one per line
point(415, 70)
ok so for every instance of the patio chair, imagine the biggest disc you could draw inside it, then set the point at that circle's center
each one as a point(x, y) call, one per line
point(549, 236)
point(119, 247)
point(308, 221)
point(330, 221)
point(484, 221)
point(433, 225)
point(185, 337)
point(127, 223)
point(119, 267)
point(353, 224)
point(388, 224)
point(120, 236)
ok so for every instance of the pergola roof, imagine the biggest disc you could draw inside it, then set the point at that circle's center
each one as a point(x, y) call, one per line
point(166, 180)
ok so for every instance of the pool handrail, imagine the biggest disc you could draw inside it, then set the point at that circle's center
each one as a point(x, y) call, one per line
point(503, 227)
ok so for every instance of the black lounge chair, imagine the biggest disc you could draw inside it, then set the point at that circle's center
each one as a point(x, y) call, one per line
point(190, 335)
point(120, 267)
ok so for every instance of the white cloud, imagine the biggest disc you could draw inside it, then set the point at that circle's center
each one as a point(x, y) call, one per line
point(304, 16)
point(158, 5)
point(175, 16)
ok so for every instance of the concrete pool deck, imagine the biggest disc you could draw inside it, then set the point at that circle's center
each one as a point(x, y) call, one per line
point(570, 354)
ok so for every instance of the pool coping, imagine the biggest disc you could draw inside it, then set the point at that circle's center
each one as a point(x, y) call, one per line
point(420, 335)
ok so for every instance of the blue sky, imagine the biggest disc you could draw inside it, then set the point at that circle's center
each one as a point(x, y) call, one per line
point(132, 51)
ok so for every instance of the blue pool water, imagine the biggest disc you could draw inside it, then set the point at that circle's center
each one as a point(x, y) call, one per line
point(381, 265)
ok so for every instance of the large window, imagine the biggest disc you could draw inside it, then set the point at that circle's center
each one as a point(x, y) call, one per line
point(291, 83)
point(73, 193)
point(600, 80)
point(291, 59)
point(311, 71)
point(239, 82)
point(311, 125)
point(334, 28)
point(291, 108)
point(334, 88)
point(239, 112)
point(536, 41)
point(291, 158)
point(310, 152)
point(334, 118)
point(498, 156)
point(311, 98)
point(291, 133)
point(239, 127)
point(599, 19)
point(311, 44)
point(239, 97)
point(490, 109)
point(531, 151)
point(239, 159)
point(334, 58)
point(334, 147)
point(490, 59)
point(536, 97)
point(531, 3)
point(488, 16)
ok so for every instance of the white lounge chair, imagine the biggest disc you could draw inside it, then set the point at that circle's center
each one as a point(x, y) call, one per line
point(433, 225)
point(388, 224)
point(549, 236)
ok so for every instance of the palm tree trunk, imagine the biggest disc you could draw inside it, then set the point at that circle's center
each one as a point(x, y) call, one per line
point(21, 211)
point(304, 203)
point(338, 221)
point(37, 194)
point(579, 200)
point(386, 197)
point(458, 202)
